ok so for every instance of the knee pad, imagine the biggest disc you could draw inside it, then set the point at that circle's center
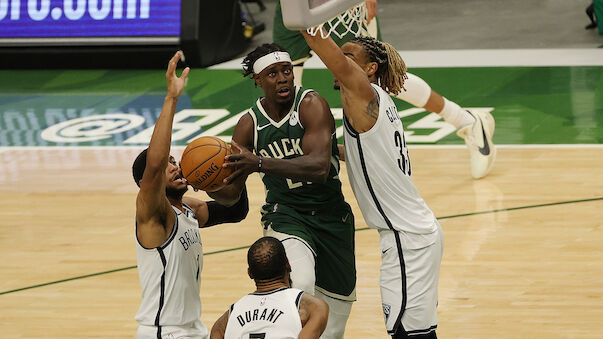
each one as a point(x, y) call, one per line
point(302, 262)
point(417, 91)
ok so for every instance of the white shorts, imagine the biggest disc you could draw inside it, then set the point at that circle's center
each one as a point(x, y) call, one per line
point(409, 280)
point(196, 331)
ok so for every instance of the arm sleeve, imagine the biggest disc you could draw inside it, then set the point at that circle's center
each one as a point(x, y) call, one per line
point(220, 214)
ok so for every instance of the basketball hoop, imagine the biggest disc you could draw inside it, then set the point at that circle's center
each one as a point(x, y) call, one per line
point(352, 21)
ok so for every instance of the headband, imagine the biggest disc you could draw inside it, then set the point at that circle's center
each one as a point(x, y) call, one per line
point(269, 59)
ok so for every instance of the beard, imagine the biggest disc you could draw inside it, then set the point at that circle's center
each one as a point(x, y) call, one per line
point(175, 193)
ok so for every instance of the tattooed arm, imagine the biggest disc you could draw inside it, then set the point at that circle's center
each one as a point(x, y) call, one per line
point(353, 75)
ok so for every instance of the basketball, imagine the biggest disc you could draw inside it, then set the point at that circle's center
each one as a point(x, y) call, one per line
point(202, 163)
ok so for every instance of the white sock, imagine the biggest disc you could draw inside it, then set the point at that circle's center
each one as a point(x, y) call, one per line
point(372, 28)
point(339, 312)
point(455, 115)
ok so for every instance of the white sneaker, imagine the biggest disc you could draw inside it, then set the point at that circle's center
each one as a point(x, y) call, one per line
point(478, 138)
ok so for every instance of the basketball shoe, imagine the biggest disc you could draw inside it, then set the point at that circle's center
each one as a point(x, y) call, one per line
point(478, 138)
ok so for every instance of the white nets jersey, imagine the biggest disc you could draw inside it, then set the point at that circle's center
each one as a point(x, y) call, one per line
point(170, 276)
point(380, 174)
point(270, 315)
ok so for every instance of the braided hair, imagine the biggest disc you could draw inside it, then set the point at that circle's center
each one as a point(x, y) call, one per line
point(391, 71)
point(257, 53)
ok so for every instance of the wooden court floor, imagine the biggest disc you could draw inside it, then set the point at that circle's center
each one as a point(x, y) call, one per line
point(523, 247)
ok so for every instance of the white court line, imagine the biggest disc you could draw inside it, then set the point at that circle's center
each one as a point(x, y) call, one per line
point(478, 58)
point(410, 146)
point(91, 148)
point(511, 146)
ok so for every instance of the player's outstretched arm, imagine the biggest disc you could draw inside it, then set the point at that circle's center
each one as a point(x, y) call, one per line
point(219, 328)
point(210, 213)
point(152, 206)
point(314, 314)
point(159, 146)
point(360, 102)
point(371, 9)
point(350, 75)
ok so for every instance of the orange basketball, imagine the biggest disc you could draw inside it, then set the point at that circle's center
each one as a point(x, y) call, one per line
point(202, 163)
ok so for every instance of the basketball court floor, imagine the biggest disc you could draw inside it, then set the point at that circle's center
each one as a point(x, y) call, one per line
point(523, 254)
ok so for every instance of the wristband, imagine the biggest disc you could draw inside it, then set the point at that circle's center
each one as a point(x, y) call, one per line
point(220, 214)
point(260, 163)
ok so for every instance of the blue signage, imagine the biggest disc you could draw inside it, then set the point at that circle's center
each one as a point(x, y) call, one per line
point(87, 119)
point(89, 18)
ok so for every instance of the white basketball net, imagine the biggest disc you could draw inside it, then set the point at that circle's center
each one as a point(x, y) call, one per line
point(351, 21)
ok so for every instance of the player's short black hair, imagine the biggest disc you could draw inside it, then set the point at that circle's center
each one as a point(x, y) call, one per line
point(267, 259)
point(257, 53)
point(140, 163)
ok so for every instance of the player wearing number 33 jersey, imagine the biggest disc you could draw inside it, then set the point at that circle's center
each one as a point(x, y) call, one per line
point(411, 240)
point(410, 237)
point(380, 174)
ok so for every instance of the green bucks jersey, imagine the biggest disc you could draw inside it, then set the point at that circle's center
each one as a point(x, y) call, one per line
point(283, 140)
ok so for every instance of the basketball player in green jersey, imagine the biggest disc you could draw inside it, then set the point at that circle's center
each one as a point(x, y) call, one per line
point(288, 136)
point(471, 126)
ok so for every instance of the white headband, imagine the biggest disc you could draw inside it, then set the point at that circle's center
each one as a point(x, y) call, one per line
point(269, 59)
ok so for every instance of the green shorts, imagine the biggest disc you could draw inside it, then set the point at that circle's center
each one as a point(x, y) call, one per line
point(330, 234)
point(598, 6)
point(294, 42)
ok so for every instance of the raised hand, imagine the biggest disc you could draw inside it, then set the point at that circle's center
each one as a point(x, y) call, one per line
point(175, 84)
point(371, 8)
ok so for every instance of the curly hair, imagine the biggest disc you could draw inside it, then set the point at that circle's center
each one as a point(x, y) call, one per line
point(257, 53)
point(391, 71)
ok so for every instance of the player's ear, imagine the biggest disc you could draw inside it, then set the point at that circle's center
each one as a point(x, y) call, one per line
point(249, 273)
point(256, 80)
point(288, 266)
point(371, 68)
